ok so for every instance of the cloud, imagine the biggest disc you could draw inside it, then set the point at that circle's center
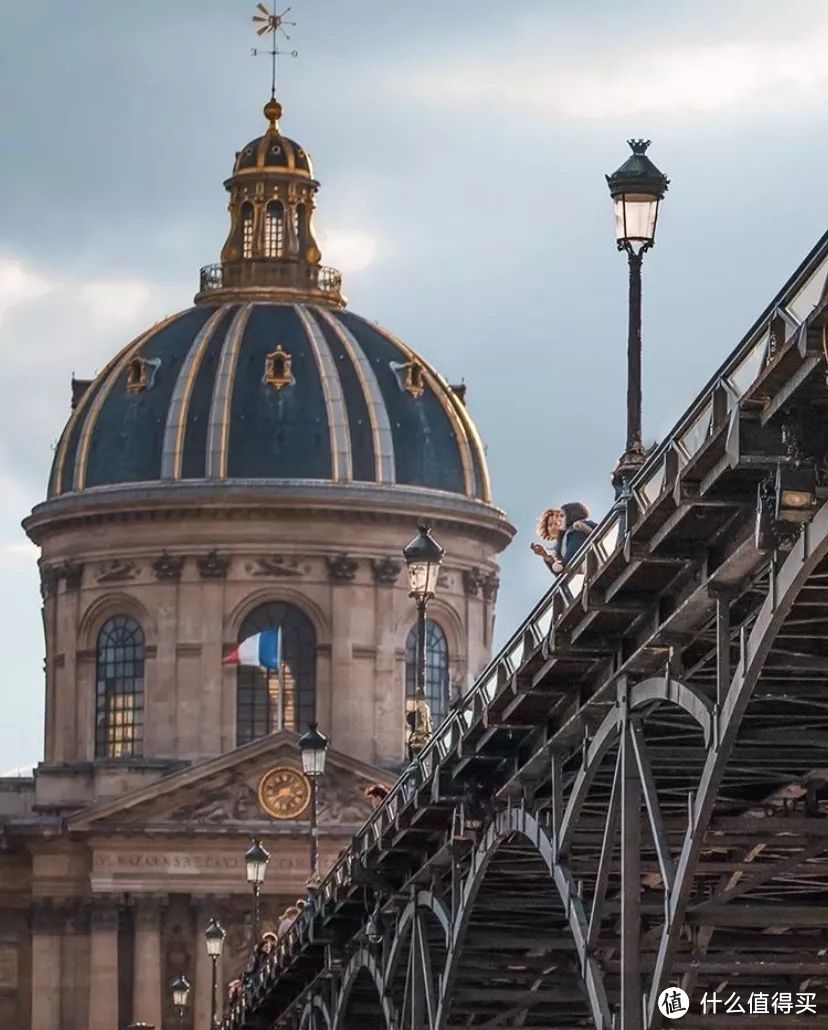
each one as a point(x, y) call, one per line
point(53, 325)
point(18, 285)
point(679, 79)
point(348, 250)
point(116, 300)
point(25, 551)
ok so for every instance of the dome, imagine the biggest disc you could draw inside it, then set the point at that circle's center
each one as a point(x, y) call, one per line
point(273, 150)
point(268, 391)
point(276, 152)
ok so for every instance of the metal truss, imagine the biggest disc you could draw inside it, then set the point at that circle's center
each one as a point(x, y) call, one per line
point(634, 793)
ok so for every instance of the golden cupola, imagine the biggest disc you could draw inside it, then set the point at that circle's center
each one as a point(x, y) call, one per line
point(271, 252)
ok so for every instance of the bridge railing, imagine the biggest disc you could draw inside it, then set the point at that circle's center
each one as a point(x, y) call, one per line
point(790, 312)
point(795, 302)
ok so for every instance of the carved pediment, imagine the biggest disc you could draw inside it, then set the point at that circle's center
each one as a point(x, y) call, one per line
point(230, 801)
point(227, 792)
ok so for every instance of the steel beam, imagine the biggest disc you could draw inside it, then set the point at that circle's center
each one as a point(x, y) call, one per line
point(631, 1008)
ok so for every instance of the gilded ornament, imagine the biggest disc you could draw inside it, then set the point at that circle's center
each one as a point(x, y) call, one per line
point(140, 374)
point(284, 792)
point(410, 376)
point(278, 366)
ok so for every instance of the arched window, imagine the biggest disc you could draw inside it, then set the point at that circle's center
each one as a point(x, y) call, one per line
point(274, 229)
point(119, 693)
point(269, 699)
point(247, 230)
point(437, 669)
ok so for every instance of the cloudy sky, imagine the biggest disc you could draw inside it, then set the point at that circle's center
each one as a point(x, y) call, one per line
point(461, 148)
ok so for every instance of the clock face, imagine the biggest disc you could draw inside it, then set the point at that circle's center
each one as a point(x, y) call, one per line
point(284, 792)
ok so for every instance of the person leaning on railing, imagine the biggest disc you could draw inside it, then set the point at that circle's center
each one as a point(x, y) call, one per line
point(376, 793)
point(568, 526)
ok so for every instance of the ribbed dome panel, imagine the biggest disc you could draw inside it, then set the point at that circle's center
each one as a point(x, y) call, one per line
point(197, 397)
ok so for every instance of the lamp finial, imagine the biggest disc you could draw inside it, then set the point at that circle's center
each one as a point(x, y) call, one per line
point(639, 146)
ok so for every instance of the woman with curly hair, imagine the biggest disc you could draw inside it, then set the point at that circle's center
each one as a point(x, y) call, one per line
point(568, 526)
point(550, 526)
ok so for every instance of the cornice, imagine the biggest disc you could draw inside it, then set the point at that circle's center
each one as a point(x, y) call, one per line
point(251, 499)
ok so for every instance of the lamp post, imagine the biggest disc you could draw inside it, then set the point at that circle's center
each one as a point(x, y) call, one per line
point(374, 927)
point(313, 746)
point(180, 988)
point(214, 939)
point(256, 859)
point(423, 557)
point(637, 189)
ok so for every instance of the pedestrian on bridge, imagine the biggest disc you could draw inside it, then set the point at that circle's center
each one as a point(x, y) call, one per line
point(551, 525)
point(568, 526)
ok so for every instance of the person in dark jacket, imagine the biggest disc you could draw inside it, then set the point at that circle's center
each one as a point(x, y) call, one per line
point(569, 526)
point(577, 527)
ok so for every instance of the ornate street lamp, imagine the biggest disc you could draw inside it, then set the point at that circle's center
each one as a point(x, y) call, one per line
point(313, 746)
point(637, 189)
point(180, 988)
point(256, 859)
point(214, 939)
point(374, 928)
point(423, 557)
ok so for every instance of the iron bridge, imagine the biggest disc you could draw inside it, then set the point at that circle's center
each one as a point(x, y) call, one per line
point(634, 793)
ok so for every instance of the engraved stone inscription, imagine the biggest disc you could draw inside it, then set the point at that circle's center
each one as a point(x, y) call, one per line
point(179, 862)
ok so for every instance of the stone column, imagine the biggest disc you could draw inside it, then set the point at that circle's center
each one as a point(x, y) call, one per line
point(389, 693)
point(67, 737)
point(74, 1001)
point(205, 697)
point(146, 979)
point(47, 922)
point(103, 964)
point(162, 728)
point(48, 591)
point(350, 715)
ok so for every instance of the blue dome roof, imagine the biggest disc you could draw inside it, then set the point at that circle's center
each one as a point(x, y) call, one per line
point(270, 391)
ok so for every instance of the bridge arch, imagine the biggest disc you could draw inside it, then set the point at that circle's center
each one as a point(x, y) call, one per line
point(315, 1015)
point(363, 1001)
point(518, 835)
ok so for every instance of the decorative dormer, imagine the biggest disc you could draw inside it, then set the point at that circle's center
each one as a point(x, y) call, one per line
point(271, 252)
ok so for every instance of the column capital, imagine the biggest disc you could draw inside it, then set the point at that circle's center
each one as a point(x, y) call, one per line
point(48, 915)
point(208, 906)
point(77, 916)
point(105, 912)
point(148, 909)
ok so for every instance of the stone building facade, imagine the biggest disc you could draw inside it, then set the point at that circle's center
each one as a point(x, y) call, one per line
point(255, 462)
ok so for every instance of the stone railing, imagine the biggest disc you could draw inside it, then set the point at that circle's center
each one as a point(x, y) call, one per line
point(271, 275)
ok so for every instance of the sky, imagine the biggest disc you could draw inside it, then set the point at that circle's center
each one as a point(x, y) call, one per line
point(462, 149)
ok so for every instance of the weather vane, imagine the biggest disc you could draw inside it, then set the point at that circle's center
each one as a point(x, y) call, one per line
point(271, 24)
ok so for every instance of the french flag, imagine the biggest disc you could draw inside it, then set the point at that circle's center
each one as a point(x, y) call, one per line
point(263, 650)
